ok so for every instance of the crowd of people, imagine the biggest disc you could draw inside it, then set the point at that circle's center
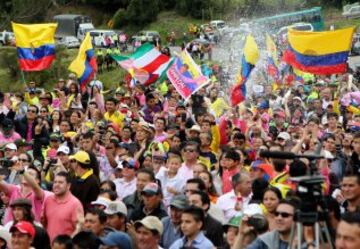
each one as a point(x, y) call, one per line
point(141, 168)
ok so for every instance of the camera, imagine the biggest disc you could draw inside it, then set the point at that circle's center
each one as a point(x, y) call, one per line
point(7, 163)
point(52, 161)
point(309, 190)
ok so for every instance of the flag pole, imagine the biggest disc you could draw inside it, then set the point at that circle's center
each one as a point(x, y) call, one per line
point(23, 76)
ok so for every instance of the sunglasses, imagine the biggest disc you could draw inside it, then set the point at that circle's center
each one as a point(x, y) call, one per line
point(23, 160)
point(72, 161)
point(43, 111)
point(283, 214)
point(32, 111)
point(189, 150)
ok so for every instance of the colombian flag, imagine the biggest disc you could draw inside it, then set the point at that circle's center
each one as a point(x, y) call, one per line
point(319, 52)
point(35, 45)
point(84, 65)
point(248, 61)
point(272, 58)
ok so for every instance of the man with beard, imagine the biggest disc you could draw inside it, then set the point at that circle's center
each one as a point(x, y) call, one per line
point(278, 238)
point(63, 222)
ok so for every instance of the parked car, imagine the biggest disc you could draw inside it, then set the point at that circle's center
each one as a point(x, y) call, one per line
point(69, 42)
point(146, 36)
point(219, 25)
point(352, 12)
point(7, 38)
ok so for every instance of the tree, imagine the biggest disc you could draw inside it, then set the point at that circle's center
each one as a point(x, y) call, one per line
point(30, 11)
point(167, 4)
point(141, 12)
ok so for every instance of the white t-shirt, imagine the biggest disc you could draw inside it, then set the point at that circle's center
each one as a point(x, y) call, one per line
point(177, 182)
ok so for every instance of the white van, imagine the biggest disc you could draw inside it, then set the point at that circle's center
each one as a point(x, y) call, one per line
point(219, 25)
point(98, 35)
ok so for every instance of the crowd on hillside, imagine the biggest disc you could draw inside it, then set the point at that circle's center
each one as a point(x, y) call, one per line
point(141, 168)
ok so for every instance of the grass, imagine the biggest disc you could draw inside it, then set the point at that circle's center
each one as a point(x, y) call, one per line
point(334, 17)
point(110, 78)
point(167, 21)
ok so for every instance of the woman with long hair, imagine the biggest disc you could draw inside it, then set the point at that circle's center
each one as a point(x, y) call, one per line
point(55, 120)
point(76, 119)
point(271, 199)
point(207, 177)
point(21, 211)
point(73, 100)
point(218, 173)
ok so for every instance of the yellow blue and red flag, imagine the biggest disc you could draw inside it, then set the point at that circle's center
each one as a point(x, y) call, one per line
point(319, 52)
point(35, 45)
point(84, 65)
point(272, 58)
point(248, 61)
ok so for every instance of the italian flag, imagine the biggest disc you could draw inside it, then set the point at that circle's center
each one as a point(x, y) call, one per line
point(146, 64)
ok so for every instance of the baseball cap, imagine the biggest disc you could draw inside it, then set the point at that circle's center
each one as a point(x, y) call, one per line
point(145, 126)
point(280, 114)
point(131, 163)
point(101, 201)
point(55, 136)
point(151, 189)
point(24, 227)
point(116, 207)
point(120, 239)
point(195, 128)
point(150, 222)
point(267, 168)
point(252, 209)
point(233, 222)
point(179, 201)
point(284, 135)
point(7, 124)
point(81, 156)
point(63, 149)
point(263, 105)
point(21, 202)
point(124, 145)
point(21, 142)
point(11, 146)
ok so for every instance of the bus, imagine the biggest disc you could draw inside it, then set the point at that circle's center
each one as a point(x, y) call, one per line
point(312, 16)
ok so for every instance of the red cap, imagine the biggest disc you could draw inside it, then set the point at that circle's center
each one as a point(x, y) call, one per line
point(267, 168)
point(24, 227)
point(280, 114)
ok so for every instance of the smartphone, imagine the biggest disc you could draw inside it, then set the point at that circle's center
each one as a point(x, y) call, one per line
point(183, 117)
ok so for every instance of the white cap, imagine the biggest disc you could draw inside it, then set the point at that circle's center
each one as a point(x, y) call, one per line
point(11, 146)
point(195, 128)
point(116, 207)
point(284, 135)
point(64, 149)
point(101, 201)
point(252, 209)
point(258, 89)
point(151, 223)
